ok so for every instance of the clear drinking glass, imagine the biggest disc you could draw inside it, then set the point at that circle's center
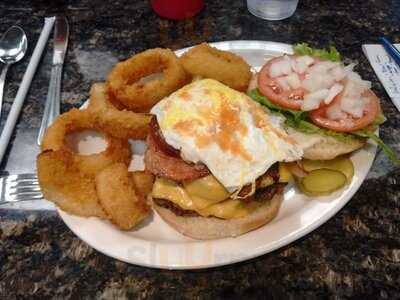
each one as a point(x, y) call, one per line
point(272, 9)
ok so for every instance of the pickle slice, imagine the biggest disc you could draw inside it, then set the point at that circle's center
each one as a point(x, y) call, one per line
point(322, 181)
point(342, 164)
point(311, 165)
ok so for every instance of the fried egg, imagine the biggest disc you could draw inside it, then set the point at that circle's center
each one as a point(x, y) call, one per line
point(235, 137)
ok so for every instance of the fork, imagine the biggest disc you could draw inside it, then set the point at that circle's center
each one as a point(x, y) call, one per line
point(22, 187)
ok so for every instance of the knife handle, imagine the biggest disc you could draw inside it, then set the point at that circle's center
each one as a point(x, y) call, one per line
point(52, 106)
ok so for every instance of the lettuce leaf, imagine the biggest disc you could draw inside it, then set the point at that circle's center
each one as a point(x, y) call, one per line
point(388, 151)
point(380, 119)
point(296, 115)
point(304, 49)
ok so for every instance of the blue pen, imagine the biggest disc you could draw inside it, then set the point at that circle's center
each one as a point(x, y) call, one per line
point(390, 49)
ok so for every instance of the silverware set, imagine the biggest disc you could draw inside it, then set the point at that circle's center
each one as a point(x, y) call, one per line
point(13, 45)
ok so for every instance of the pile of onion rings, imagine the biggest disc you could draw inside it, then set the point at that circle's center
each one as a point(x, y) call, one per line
point(126, 87)
point(226, 67)
point(82, 184)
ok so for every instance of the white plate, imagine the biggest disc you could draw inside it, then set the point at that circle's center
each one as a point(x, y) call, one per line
point(157, 245)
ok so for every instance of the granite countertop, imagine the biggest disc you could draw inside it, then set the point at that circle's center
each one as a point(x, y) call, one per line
point(356, 254)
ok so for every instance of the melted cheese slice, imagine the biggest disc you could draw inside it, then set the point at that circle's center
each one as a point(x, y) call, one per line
point(230, 209)
point(225, 209)
point(170, 190)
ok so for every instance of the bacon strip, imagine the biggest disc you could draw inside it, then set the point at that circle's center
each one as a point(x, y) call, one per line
point(159, 140)
point(161, 164)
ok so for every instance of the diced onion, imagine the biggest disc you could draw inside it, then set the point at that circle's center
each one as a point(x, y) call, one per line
point(334, 112)
point(282, 81)
point(308, 60)
point(349, 68)
point(356, 85)
point(338, 73)
point(316, 81)
point(352, 102)
point(353, 106)
point(281, 67)
point(300, 64)
point(286, 65)
point(275, 70)
point(353, 76)
point(313, 100)
point(293, 80)
point(322, 67)
point(299, 67)
point(333, 92)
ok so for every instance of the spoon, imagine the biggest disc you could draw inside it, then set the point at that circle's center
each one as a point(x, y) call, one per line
point(13, 47)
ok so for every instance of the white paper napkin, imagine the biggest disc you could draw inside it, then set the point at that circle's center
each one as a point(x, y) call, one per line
point(386, 69)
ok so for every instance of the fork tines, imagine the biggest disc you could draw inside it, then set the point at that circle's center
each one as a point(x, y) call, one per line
point(22, 187)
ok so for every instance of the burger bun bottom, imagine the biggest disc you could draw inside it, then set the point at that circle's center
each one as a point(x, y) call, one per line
point(205, 228)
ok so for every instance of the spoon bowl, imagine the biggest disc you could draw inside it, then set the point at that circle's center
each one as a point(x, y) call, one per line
point(13, 46)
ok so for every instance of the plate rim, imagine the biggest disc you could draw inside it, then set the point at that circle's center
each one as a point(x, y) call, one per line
point(261, 250)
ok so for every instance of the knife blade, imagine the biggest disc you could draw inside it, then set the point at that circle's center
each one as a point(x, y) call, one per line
point(52, 106)
point(61, 33)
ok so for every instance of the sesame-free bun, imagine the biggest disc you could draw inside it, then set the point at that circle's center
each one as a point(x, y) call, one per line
point(205, 228)
point(323, 147)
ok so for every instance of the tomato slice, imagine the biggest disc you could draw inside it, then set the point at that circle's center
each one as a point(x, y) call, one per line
point(270, 88)
point(349, 123)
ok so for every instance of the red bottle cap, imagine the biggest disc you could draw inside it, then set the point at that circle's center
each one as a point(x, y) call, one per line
point(177, 9)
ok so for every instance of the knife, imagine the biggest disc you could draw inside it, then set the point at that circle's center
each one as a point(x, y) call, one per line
point(52, 106)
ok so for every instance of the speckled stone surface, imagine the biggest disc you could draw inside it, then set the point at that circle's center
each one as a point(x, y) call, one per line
point(356, 254)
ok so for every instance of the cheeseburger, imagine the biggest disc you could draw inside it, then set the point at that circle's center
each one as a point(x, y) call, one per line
point(215, 155)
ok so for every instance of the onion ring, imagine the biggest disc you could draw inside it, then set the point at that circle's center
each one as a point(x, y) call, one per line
point(124, 85)
point(63, 183)
point(118, 150)
point(226, 67)
point(143, 182)
point(123, 205)
point(122, 123)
